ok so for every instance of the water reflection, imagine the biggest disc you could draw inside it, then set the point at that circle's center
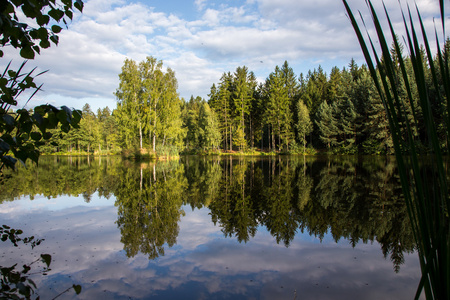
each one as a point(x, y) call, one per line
point(353, 198)
point(149, 200)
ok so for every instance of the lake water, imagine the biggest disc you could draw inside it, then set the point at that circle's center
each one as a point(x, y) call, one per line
point(213, 228)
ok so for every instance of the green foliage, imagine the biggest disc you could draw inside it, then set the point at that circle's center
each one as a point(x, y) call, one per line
point(239, 139)
point(148, 105)
point(19, 138)
point(327, 124)
point(220, 102)
point(304, 124)
point(278, 115)
point(149, 209)
point(23, 131)
point(409, 98)
point(16, 31)
point(13, 235)
point(201, 125)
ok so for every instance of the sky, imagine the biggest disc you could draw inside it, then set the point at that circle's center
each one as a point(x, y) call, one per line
point(198, 39)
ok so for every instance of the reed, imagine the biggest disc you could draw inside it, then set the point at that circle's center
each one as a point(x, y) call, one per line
point(425, 191)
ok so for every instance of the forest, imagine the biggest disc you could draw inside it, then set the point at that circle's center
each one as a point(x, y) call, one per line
point(340, 112)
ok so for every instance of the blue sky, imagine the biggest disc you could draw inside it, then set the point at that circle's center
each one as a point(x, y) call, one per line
point(199, 40)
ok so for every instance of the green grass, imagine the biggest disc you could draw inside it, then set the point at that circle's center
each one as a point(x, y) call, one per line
point(426, 191)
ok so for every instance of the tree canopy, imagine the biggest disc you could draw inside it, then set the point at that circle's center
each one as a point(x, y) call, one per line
point(23, 131)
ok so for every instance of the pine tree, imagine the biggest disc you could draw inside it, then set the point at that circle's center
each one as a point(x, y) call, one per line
point(327, 124)
point(348, 126)
point(220, 102)
point(242, 97)
point(278, 115)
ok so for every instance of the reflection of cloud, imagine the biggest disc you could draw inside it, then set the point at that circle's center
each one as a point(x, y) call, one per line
point(84, 242)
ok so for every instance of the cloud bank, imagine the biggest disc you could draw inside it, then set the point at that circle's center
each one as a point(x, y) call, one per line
point(199, 40)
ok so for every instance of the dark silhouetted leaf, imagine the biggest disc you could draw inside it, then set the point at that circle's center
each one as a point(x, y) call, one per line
point(47, 259)
point(77, 288)
point(56, 29)
point(27, 52)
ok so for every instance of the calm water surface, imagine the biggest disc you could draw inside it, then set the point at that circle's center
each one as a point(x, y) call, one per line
point(214, 228)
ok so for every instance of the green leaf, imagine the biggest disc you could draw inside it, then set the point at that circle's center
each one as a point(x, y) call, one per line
point(67, 2)
point(37, 49)
point(4, 147)
point(52, 120)
point(77, 288)
point(38, 118)
point(34, 156)
point(42, 33)
point(27, 52)
point(9, 161)
point(12, 73)
point(56, 29)
point(67, 110)
point(79, 5)
point(42, 20)
point(47, 259)
point(47, 135)
point(44, 44)
point(56, 14)
point(54, 39)
point(69, 13)
point(36, 136)
point(22, 156)
point(76, 116)
point(9, 120)
point(63, 117)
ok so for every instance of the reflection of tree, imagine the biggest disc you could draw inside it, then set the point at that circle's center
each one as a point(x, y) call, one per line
point(203, 176)
point(394, 228)
point(363, 202)
point(57, 176)
point(304, 186)
point(279, 216)
point(149, 207)
point(233, 209)
point(352, 198)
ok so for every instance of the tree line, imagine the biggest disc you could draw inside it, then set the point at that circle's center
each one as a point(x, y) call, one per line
point(337, 113)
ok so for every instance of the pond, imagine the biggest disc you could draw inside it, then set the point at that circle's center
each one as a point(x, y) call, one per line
point(213, 228)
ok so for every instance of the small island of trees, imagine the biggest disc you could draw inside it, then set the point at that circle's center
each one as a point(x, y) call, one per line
point(339, 113)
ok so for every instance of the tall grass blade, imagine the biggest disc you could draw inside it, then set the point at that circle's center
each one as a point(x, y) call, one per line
point(425, 190)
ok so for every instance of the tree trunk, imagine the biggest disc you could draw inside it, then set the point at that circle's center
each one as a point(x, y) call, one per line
point(231, 140)
point(140, 135)
point(251, 132)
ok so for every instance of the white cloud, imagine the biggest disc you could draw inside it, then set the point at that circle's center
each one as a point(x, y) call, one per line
point(223, 36)
point(200, 4)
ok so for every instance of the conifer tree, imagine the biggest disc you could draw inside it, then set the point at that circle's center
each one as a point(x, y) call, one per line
point(220, 102)
point(242, 97)
point(327, 124)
